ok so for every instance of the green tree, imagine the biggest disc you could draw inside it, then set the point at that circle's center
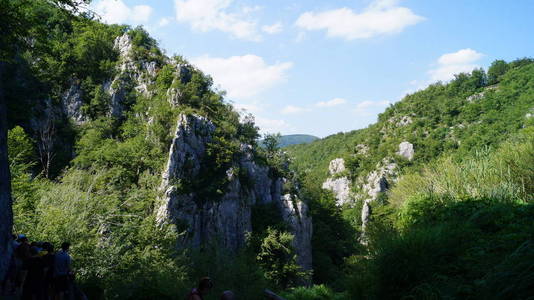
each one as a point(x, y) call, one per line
point(278, 259)
point(270, 143)
point(497, 69)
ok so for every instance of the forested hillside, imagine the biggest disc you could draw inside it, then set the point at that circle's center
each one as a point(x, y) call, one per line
point(135, 159)
point(473, 111)
point(440, 167)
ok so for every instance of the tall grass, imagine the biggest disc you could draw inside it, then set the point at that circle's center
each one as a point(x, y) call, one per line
point(504, 174)
point(463, 231)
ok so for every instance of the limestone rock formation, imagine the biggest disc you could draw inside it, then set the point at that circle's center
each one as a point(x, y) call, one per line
point(339, 185)
point(188, 147)
point(72, 102)
point(336, 166)
point(401, 121)
point(406, 150)
point(366, 217)
point(227, 219)
point(378, 181)
point(139, 73)
point(475, 97)
point(362, 149)
point(183, 75)
point(295, 214)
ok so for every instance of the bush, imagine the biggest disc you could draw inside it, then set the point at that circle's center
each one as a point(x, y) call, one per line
point(446, 249)
point(504, 174)
point(316, 292)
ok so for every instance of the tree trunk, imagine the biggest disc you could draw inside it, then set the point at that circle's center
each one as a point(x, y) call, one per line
point(6, 213)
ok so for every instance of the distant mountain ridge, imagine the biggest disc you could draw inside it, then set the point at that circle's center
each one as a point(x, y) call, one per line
point(293, 139)
point(296, 139)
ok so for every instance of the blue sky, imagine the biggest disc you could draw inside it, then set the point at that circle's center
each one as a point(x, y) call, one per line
point(321, 67)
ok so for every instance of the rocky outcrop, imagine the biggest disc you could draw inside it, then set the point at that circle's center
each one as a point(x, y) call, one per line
point(378, 181)
point(401, 121)
point(136, 74)
point(362, 149)
point(336, 166)
point(295, 214)
point(72, 103)
point(339, 185)
point(406, 150)
point(188, 147)
point(366, 217)
point(183, 75)
point(475, 97)
point(225, 220)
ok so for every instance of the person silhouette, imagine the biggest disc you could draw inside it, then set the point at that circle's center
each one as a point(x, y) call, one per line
point(204, 286)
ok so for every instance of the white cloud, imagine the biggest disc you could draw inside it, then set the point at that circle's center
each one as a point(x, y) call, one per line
point(292, 109)
point(243, 76)
point(207, 15)
point(330, 103)
point(164, 21)
point(453, 63)
point(251, 9)
point(272, 29)
point(117, 12)
point(379, 18)
point(272, 125)
point(368, 107)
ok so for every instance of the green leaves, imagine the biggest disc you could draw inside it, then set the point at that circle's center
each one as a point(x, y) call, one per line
point(278, 259)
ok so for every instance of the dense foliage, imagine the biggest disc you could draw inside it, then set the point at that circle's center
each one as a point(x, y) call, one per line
point(465, 232)
point(96, 182)
point(454, 128)
point(458, 224)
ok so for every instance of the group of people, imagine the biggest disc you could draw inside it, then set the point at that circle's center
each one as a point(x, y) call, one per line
point(37, 271)
point(205, 284)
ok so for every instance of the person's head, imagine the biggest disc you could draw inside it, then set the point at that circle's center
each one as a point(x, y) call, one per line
point(23, 238)
point(205, 285)
point(34, 251)
point(227, 295)
point(14, 237)
point(65, 246)
point(48, 247)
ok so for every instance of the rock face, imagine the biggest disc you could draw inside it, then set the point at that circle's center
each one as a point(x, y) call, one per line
point(378, 180)
point(339, 185)
point(336, 166)
point(132, 73)
point(406, 150)
point(183, 75)
point(295, 214)
point(362, 149)
point(475, 97)
point(72, 103)
point(227, 219)
point(6, 213)
point(401, 121)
